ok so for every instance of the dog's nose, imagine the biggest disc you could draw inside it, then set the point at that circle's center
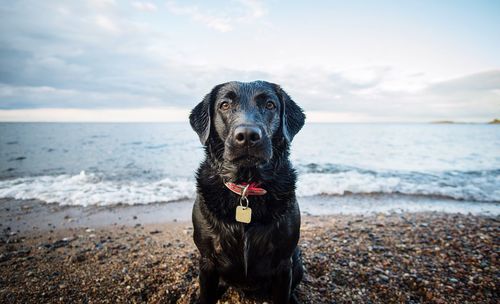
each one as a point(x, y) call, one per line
point(247, 135)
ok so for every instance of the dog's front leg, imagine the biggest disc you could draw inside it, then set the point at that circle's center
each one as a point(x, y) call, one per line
point(282, 282)
point(209, 282)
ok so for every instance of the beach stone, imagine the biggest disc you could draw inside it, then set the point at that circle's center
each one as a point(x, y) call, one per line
point(79, 257)
point(5, 257)
point(384, 278)
point(377, 248)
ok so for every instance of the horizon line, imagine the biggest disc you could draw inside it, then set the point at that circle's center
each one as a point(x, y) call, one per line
point(175, 114)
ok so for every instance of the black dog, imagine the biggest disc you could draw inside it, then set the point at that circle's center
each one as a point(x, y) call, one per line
point(246, 217)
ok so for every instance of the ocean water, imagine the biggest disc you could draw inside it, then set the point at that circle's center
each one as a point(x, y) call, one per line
point(133, 163)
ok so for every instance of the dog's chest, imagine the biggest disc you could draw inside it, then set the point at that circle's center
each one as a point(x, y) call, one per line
point(242, 253)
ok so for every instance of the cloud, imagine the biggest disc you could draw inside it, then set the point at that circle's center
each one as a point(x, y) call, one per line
point(106, 24)
point(100, 55)
point(222, 21)
point(335, 98)
point(49, 97)
point(486, 81)
point(101, 4)
point(252, 10)
point(473, 97)
point(144, 6)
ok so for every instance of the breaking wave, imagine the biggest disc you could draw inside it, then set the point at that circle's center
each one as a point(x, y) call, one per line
point(91, 189)
point(86, 189)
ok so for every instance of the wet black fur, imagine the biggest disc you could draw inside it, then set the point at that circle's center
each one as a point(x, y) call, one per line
point(273, 265)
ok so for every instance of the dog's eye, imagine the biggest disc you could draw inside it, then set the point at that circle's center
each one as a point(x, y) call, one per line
point(224, 106)
point(270, 105)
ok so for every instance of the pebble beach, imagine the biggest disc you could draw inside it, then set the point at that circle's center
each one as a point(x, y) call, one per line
point(380, 258)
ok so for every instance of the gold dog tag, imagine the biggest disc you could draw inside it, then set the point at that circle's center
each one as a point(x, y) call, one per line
point(243, 214)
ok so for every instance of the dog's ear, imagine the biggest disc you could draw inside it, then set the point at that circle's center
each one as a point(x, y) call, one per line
point(292, 116)
point(200, 117)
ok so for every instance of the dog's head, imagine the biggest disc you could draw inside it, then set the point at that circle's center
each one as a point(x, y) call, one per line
point(248, 119)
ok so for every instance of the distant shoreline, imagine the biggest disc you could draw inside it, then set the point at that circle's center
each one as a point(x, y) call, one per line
point(451, 122)
point(437, 122)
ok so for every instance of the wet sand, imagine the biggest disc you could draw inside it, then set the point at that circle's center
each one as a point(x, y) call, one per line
point(35, 215)
point(126, 257)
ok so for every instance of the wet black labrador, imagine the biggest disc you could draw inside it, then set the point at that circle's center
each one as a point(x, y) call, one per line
point(246, 217)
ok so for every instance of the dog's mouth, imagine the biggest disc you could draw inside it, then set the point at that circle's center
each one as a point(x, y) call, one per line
point(248, 157)
point(248, 160)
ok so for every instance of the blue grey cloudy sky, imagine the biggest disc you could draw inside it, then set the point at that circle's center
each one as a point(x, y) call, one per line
point(341, 60)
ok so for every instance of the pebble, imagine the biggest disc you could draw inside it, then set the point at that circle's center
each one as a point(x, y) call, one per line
point(79, 257)
point(384, 278)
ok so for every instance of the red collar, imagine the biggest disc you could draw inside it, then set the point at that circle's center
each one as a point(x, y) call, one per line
point(253, 188)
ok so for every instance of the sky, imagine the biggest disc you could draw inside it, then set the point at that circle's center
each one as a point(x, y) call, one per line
point(342, 61)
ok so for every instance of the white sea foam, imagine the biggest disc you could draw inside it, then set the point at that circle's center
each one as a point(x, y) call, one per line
point(86, 189)
point(90, 189)
point(479, 188)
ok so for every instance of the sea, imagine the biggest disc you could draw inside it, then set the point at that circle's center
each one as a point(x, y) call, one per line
point(341, 167)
